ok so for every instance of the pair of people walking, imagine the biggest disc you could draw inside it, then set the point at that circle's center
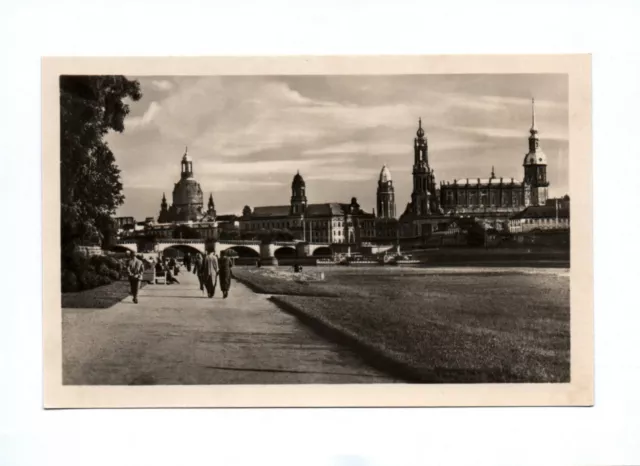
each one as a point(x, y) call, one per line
point(210, 268)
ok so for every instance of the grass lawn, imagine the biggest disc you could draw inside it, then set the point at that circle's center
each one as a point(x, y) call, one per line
point(98, 298)
point(279, 281)
point(447, 325)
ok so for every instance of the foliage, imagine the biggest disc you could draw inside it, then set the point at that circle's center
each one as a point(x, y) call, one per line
point(90, 107)
point(69, 281)
point(82, 273)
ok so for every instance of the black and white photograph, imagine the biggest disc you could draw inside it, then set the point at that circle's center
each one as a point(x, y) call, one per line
point(384, 229)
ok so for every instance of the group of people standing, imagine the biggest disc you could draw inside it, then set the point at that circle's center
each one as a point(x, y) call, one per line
point(208, 268)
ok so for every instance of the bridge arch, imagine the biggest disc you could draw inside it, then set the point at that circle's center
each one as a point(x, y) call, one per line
point(188, 247)
point(184, 248)
point(285, 252)
point(322, 251)
point(243, 251)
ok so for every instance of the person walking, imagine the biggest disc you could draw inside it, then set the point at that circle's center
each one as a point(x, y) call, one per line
point(210, 272)
point(225, 265)
point(135, 269)
point(187, 262)
point(197, 270)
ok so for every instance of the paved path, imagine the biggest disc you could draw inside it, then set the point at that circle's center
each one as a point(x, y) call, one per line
point(177, 336)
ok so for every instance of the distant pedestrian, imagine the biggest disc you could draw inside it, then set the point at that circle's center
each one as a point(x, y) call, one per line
point(210, 272)
point(225, 265)
point(187, 262)
point(135, 269)
point(197, 270)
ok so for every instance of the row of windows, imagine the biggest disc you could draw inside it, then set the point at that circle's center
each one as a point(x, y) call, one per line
point(309, 224)
point(473, 196)
point(544, 220)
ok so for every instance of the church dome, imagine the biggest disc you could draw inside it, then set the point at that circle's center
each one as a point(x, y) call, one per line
point(535, 158)
point(385, 174)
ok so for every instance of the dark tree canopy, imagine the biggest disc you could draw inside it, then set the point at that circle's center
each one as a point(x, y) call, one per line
point(90, 107)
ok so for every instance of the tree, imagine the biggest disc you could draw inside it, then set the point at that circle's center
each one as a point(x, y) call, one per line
point(90, 107)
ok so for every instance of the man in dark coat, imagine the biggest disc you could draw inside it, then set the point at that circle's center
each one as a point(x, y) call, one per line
point(197, 270)
point(225, 264)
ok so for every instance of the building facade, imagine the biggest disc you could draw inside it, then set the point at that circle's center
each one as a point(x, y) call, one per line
point(540, 218)
point(494, 199)
point(330, 222)
point(498, 196)
point(121, 222)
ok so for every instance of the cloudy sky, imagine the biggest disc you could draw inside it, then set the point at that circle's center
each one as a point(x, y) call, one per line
point(249, 135)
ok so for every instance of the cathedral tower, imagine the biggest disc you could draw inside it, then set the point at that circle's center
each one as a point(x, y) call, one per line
point(385, 195)
point(423, 198)
point(535, 165)
point(211, 208)
point(298, 195)
point(164, 211)
point(187, 194)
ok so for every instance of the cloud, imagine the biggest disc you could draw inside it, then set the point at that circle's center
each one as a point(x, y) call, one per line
point(257, 169)
point(507, 133)
point(372, 148)
point(359, 175)
point(221, 184)
point(149, 115)
point(162, 85)
point(252, 133)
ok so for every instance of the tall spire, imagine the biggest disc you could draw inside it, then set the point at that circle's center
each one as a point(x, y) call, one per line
point(493, 172)
point(534, 129)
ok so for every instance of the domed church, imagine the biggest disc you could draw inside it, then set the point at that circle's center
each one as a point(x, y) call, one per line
point(187, 197)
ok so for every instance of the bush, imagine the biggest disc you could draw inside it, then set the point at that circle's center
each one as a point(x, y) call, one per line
point(96, 261)
point(103, 280)
point(69, 281)
point(77, 263)
point(112, 263)
point(114, 275)
point(103, 270)
point(88, 280)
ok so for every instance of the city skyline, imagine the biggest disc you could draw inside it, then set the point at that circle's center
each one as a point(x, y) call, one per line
point(248, 136)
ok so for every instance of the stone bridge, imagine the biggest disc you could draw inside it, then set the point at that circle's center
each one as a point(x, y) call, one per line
point(243, 248)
